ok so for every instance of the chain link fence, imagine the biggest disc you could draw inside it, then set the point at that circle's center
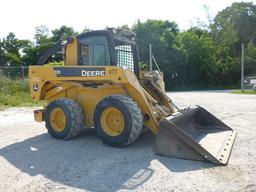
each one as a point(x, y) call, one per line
point(248, 69)
point(249, 81)
point(14, 72)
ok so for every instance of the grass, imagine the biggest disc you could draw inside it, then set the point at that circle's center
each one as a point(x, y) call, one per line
point(15, 93)
point(244, 92)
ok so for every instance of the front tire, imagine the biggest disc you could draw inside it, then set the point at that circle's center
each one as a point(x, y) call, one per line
point(64, 119)
point(118, 120)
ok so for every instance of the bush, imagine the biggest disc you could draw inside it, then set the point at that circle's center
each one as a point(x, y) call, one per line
point(56, 63)
point(15, 93)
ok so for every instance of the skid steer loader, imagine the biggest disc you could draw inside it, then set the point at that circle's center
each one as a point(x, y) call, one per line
point(101, 86)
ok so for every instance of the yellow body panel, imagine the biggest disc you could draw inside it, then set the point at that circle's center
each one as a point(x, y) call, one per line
point(71, 53)
point(39, 115)
point(45, 84)
point(89, 97)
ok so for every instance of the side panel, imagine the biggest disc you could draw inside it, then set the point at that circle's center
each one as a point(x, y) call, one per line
point(71, 53)
point(42, 76)
point(89, 97)
point(88, 85)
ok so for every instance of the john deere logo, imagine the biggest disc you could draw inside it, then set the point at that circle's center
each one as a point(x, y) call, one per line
point(92, 73)
point(35, 87)
point(79, 72)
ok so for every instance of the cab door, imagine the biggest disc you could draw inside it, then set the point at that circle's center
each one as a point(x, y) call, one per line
point(94, 50)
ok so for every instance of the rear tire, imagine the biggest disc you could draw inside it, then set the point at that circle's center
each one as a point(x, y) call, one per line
point(131, 115)
point(64, 119)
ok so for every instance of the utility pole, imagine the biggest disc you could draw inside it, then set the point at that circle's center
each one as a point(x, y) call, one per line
point(242, 69)
point(150, 57)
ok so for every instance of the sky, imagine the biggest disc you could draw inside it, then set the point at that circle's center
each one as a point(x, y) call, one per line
point(23, 16)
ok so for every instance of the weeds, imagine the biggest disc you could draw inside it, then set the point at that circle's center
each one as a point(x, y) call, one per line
point(15, 93)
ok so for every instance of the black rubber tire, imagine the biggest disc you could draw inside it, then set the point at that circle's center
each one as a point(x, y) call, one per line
point(74, 115)
point(132, 116)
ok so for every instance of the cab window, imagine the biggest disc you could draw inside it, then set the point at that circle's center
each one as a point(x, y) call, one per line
point(125, 56)
point(94, 51)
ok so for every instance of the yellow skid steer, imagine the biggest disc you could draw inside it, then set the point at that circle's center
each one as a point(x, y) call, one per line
point(101, 86)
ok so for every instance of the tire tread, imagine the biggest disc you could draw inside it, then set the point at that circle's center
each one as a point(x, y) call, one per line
point(77, 117)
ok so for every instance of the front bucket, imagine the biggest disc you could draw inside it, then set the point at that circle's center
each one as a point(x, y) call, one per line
point(195, 134)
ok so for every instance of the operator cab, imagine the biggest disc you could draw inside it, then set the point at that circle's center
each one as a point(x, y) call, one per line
point(108, 47)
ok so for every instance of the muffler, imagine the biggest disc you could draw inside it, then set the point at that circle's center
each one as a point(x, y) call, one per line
point(195, 134)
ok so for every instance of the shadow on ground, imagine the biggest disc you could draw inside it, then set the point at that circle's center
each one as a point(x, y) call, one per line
point(86, 163)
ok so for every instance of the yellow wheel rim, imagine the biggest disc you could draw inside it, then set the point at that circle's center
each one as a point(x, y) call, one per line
point(58, 119)
point(112, 121)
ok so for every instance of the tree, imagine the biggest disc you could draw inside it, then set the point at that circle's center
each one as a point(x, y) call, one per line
point(3, 59)
point(231, 27)
point(63, 33)
point(33, 51)
point(150, 32)
point(204, 56)
point(241, 17)
point(86, 29)
point(200, 68)
point(124, 27)
point(250, 59)
point(44, 39)
point(31, 54)
point(42, 35)
point(165, 46)
point(12, 48)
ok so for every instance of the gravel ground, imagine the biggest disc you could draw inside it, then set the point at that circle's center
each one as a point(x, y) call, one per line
point(30, 160)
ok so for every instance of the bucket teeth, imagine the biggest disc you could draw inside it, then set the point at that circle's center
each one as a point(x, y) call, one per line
point(195, 134)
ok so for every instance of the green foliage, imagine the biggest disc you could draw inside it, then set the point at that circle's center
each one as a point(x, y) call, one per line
point(202, 57)
point(232, 27)
point(33, 51)
point(163, 37)
point(44, 40)
point(200, 60)
point(187, 58)
point(151, 32)
point(63, 33)
point(124, 27)
point(42, 35)
point(56, 63)
point(14, 93)
point(250, 59)
point(10, 50)
point(237, 20)
point(2, 53)
point(143, 66)
point(244, 92)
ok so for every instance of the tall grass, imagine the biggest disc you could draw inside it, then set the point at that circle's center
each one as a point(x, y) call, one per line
point(14, 93)
point(244, 92)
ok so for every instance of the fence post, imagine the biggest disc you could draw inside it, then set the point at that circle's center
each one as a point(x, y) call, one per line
point(150, 57)
point(242, 69)
point(22, 72)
